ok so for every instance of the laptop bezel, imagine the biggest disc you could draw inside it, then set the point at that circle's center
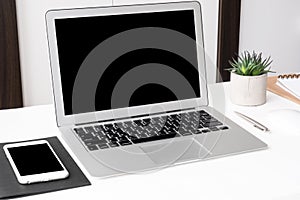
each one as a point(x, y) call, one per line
point(63, 120)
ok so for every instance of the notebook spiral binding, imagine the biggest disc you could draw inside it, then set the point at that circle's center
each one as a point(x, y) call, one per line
point(287, 76)
point(273, 87)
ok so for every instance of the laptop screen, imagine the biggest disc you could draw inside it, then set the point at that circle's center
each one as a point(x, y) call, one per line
point(126, 60)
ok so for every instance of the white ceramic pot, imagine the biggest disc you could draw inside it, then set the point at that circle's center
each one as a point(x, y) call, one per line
point(248, 90)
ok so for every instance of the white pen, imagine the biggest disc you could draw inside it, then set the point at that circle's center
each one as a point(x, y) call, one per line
point(252, 121)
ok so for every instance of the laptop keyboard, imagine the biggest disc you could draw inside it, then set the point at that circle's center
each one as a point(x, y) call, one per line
point(117, 134)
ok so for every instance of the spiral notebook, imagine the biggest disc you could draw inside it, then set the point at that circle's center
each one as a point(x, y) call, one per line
point(290, 83)
point(286, 85)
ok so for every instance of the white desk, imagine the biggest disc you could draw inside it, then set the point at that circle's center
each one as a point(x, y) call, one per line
point(267, 174)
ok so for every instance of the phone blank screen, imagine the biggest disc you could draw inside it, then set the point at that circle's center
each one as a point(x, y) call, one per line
point(34, 159)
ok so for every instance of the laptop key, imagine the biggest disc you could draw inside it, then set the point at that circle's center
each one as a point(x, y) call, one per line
point(82, 135)
point(89, 129)
point(97, 127)
point(205, 131)
point(186, 133)
point(223, 128)
point(203, 113)
point(212, 124)
point(79, 130)
point(210, 121)
point(92, 147)
point(92, 142)
point(113, 144)
point(154, 138)
point(86, 137)
point(114, 139)
point(124, 142)
point(213, 129)
point(103, 146)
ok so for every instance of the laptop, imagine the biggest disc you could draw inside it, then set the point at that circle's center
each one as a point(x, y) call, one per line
point(130, 89)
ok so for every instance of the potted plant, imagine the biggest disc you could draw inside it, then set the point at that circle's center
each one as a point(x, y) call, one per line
point(249, 79)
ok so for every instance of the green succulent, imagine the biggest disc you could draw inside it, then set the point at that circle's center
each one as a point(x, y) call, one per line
point(248, 64)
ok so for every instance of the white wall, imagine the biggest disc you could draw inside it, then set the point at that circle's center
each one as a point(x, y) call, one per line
point(272, 27)
point(35, 66)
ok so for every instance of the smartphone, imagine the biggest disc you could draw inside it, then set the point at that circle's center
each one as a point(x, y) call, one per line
point(34, 162)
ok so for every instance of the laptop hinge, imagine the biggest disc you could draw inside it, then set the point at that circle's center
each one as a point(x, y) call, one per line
point(136, 116)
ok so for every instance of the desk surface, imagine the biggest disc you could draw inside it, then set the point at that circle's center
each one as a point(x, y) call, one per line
point(269, 174)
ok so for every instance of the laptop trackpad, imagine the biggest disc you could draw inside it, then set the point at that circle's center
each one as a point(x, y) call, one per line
point(172, 152)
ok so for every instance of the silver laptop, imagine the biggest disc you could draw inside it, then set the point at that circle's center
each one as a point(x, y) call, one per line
point(130, 88)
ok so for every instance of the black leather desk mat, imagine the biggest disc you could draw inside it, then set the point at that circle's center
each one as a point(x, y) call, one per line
point(11, 188)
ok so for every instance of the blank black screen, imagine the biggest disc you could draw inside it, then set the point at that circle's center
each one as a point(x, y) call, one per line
point(77, 37)
point(34, 159)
